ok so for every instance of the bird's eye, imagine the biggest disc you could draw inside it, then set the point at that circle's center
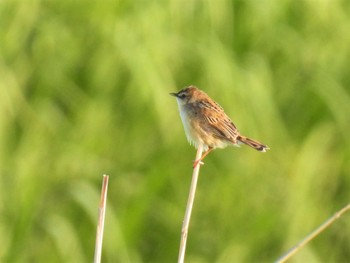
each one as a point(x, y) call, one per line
point(182, 96)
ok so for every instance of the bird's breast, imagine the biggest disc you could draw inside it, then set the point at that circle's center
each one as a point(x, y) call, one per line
point(189, 125)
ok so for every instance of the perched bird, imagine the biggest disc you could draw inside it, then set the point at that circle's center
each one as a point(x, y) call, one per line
point(206, 123)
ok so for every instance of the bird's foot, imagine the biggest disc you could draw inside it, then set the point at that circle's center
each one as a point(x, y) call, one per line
point(197, 162)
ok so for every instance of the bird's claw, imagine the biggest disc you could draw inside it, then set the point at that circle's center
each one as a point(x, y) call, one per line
point(198, 162)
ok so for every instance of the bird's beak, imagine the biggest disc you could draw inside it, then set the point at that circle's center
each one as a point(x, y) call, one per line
point(173, 94)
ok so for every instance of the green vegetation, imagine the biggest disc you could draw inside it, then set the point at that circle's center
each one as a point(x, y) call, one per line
point(84, 91)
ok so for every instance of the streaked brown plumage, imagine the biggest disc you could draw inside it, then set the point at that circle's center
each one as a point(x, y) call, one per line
point(206, 123)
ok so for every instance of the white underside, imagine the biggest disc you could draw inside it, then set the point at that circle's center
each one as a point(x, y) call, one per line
point(191, 136)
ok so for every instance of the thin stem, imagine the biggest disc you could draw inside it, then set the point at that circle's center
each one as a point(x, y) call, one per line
point(313, 234)
point(190, 200)
point(101, 220)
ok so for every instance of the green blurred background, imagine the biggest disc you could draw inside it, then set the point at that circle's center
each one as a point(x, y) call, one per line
point(84, 91)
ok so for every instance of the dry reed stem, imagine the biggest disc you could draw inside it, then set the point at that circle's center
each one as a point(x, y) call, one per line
point(313, 234)
point(101, 220)
point(186, 222)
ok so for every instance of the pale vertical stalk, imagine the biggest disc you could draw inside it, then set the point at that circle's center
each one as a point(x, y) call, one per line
point(313, 234)
point(190, 200)
point(101, 220)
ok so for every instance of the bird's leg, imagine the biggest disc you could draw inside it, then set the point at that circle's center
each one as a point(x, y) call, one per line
point(196, 162)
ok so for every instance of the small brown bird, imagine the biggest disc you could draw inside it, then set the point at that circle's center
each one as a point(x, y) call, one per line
point(206, 123)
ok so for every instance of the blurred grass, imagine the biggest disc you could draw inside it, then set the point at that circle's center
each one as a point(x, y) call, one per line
point(84, 91)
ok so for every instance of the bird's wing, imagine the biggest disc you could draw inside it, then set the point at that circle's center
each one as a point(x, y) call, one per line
point(220, 124)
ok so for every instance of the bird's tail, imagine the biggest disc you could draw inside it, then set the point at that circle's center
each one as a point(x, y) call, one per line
point(252, 143)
